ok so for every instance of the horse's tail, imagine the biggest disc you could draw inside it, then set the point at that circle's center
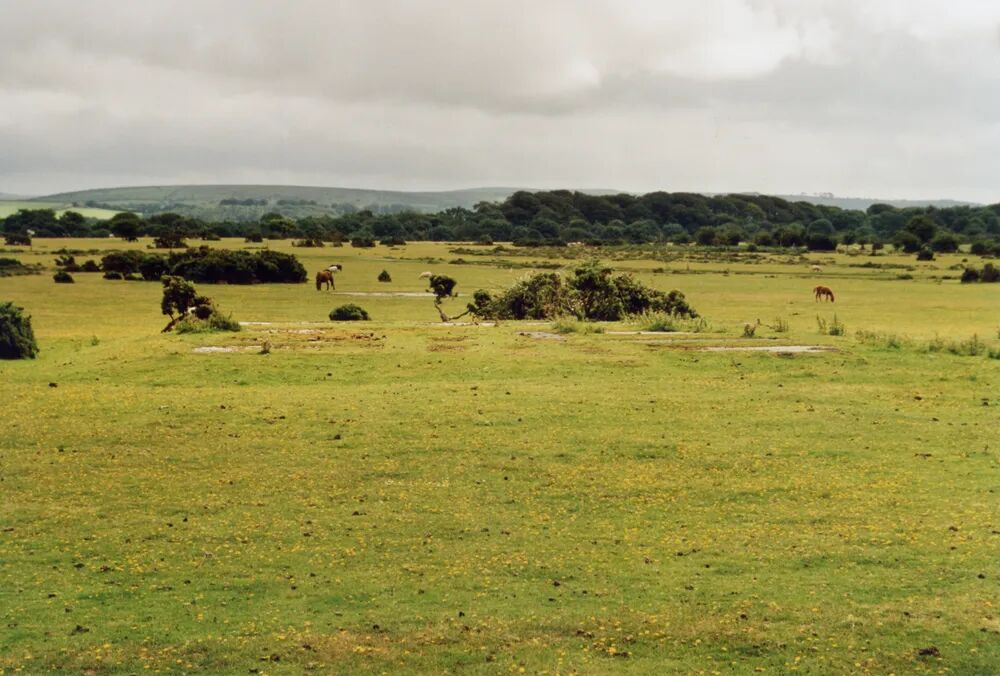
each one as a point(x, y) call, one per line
point(319, 283)
point(829, 292)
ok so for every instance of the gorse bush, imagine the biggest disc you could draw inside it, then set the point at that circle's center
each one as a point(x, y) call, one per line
point(63, 277)
point(990, 274)
point(349, 313)
point(189, 311)
point(384, 276)
point(590, 293)
point(17, 339)
point(210, 266)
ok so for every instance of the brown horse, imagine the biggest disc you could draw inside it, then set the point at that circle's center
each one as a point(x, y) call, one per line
point(823, 292)
point(324, 277)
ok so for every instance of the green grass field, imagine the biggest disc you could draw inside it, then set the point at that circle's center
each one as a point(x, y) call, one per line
point(8, 207)
point(401, 496)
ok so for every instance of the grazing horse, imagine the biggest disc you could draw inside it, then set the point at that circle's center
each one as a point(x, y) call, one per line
point(324, 277)
point(823, 292)
point(816, 268)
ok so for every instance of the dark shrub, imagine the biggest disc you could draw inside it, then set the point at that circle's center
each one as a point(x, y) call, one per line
point(17, 239)
point(63, 277)
point(970, 275)
point(152, 267)
point(133, 277)
point(349, 313)
point(311, 243)
point(90, 266)
point(17, 339)
point(362, 242)
point(254, 237)
point(393, 241)
point(170, 240)
point(384, 276)
point(990, 274)
point(124, 262)
point(945, 242)
point(236, 267)
point(591, 293)
point(925, 254)
point(111, 274)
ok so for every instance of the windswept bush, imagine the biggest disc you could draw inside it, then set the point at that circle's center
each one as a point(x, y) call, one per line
point(590, 293)
point(190, 312)
point(17, 339)
point(349, 313)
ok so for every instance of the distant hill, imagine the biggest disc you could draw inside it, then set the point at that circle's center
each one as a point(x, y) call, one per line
point(250, 202)
point(862, 203)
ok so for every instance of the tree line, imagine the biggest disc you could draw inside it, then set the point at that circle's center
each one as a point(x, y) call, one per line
point(562, 216)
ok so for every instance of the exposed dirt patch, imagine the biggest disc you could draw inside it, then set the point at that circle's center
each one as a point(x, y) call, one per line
point(216, 349)
point(541, 335)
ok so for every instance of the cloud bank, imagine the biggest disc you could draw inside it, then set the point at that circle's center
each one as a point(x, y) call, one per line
point(891, 98)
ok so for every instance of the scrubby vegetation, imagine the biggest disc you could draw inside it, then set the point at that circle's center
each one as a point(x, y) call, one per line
point(349, 313)
point(384, 276)
point(591, 292)
point(190, 312)
point(212, 266)
point(17, 339)
point(988, 275)
point(63, 277)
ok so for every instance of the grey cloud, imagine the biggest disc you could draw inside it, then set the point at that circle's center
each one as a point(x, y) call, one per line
point(876, 98)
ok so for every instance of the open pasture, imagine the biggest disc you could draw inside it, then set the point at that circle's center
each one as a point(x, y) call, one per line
point(401, 496)
point(8, 207)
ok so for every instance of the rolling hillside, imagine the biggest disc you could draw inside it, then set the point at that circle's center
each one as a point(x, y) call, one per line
point(250, 202)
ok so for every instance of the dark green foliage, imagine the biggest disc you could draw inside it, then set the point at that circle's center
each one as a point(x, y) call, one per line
point(170, 240)
point(17, 339)
point(63, 277)
point(126, 225)
point(153, 267)
point(944, 242)
point(362, 242)
point(124, 262)
point(309, 243)
point(970, 275)
point(442, 285)
point(990, 274)
point(113, 274)
point(925, 254)
point(591, 293)
point(178, 295)
point(90, 266)
point(236, 267)
point(349, 313)
point(393, 241)
point(384, 276)
point(9, 263)
point(17, 239)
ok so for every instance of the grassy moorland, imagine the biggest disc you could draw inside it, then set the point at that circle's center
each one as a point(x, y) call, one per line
point(402, 496)
point(8, 207)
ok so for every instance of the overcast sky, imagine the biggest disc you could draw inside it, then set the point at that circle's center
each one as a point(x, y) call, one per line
point(879, 98)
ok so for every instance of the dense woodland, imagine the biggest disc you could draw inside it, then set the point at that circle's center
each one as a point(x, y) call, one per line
point(562, 216)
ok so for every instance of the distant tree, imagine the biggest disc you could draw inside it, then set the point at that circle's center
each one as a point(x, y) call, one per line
point(125, 225)
point(923, 227)
point(944, 242)
point(705, 236)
